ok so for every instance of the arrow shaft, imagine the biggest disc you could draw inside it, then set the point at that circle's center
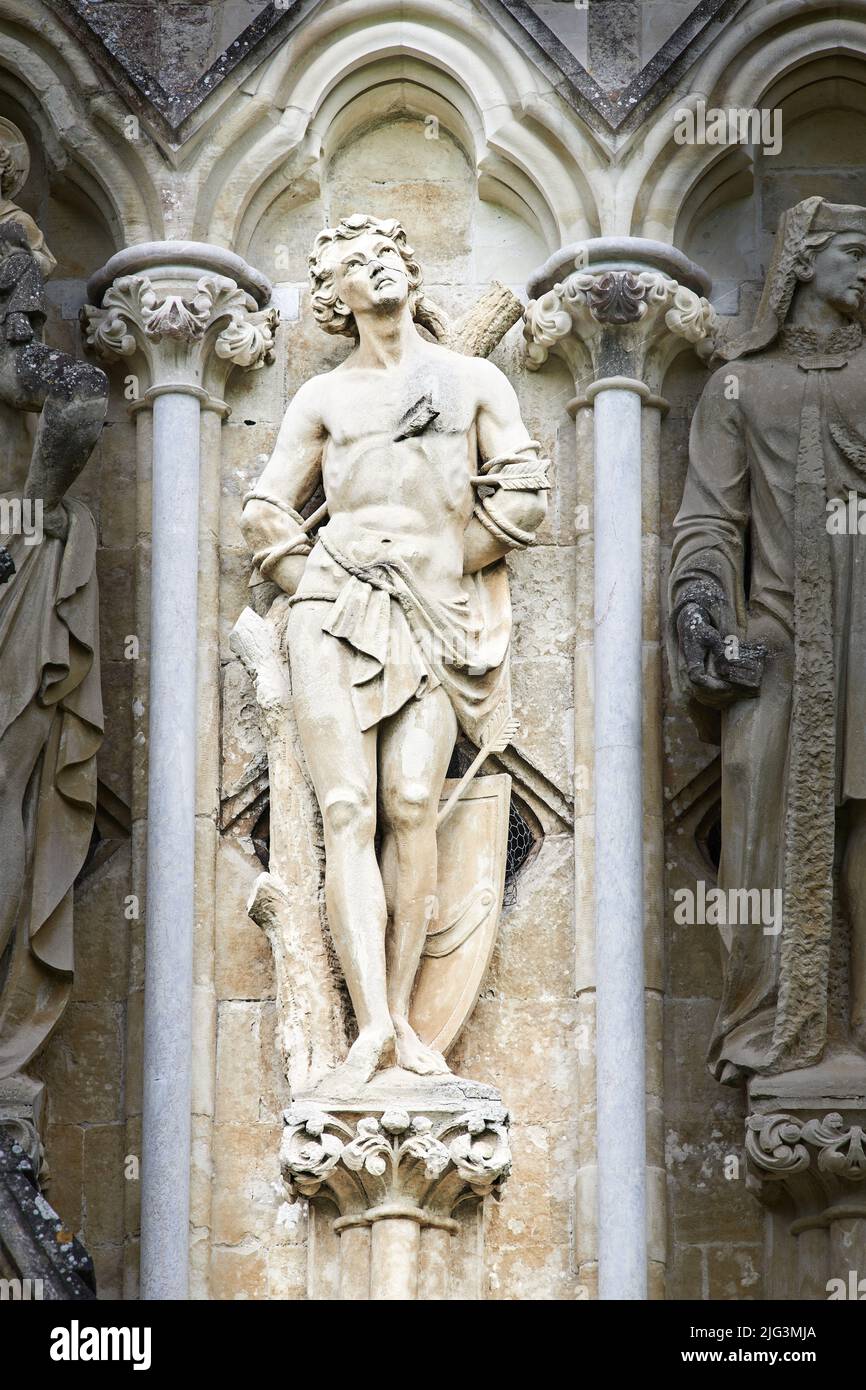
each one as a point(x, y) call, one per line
point(461, 786)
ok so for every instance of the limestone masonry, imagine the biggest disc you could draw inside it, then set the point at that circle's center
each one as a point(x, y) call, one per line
point(432, 658)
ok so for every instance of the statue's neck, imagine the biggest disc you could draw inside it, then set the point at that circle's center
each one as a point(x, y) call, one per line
point(385, 340)
point(798, 338)
point(808, 310)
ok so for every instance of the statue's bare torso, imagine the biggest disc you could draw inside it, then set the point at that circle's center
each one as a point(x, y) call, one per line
point(400, 498)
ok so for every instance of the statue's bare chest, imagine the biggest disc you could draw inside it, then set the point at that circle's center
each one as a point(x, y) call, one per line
point(395, 406)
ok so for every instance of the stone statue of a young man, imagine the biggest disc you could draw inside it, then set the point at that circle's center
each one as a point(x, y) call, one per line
point(780, 432)
point(400, 625)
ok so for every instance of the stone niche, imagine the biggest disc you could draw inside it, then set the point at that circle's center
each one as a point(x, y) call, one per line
point(715, 1227)
point(262, 1224)
point(522, 1035)
point(89, 1108)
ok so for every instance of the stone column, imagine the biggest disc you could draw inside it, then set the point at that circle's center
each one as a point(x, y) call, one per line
point(182, 314)
point(395, 1177)
point(618, 311)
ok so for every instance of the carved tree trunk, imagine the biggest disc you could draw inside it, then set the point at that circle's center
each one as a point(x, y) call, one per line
point(285, 902)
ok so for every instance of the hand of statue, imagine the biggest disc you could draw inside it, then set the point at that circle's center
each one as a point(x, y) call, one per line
point(287, 573)
point(55, 522)
point(700, 642)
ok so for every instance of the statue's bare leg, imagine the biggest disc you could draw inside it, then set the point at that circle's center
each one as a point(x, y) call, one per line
point(20, 747)
point(854, 884)
point(414, 749)
point(342, 764)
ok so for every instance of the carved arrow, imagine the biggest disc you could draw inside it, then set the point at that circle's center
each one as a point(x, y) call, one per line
point(495, 739)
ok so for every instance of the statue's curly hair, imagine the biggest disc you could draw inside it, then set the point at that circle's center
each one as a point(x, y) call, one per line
point(328, 309)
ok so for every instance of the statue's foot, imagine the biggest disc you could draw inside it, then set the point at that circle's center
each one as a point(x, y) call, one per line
point(372, 1049)
point(413, 1055)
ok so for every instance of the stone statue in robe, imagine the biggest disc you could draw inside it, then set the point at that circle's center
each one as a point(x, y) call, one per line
point(768, 607)
point(400, 622)
point(52, 407)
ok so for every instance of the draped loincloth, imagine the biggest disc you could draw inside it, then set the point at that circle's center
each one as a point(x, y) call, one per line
point(407, 642)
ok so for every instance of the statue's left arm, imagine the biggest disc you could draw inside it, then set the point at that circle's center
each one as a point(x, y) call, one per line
point(508, 512)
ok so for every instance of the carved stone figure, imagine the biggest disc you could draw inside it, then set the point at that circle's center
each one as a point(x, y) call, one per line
point(768, 600)
point(52, 407)
point(400, 619)
point(14, 168)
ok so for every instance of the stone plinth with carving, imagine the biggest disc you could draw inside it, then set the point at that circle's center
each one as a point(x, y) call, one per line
point(396, 1169)
point(806, 1155)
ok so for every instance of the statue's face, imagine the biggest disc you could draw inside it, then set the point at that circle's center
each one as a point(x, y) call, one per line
point(369, 272)
point(840, 272)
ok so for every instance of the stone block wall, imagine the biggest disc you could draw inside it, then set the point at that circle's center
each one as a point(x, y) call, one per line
point(522, 1037)
point(175, 42)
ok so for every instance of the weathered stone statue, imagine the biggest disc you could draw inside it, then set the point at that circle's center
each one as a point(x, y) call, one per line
point(400, 620)
point(14, 168)
point(51, 407)
point(778, 444)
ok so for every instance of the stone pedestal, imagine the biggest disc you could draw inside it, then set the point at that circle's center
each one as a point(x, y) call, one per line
point(386, 1171)
point(806, 1147)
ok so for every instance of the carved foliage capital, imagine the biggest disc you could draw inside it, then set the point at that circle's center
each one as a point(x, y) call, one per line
point(135, 314)
point(815, 1161)
point(395, 1162)
point(645, 305)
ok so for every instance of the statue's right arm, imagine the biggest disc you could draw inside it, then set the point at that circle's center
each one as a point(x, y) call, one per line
point(271, 520)
point(707, 601)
